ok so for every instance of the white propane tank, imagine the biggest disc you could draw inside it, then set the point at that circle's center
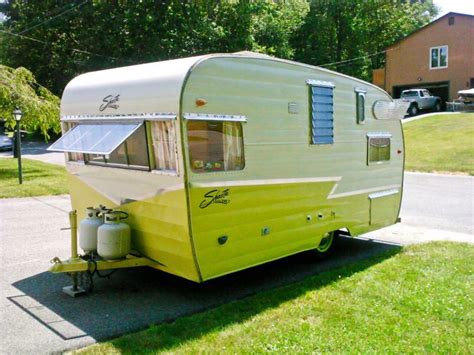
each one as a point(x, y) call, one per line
point(113, 237)
point(88, 230)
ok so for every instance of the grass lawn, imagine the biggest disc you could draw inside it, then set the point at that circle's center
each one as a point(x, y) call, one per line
point(418, 300)
point(441, 143)
point(38, 178)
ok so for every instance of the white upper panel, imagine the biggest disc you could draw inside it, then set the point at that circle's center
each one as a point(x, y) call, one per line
point(153, 88)
point(145, 88)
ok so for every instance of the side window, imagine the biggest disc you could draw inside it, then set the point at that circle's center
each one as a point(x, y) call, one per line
point(163, 136)
point(421, 93)
point(215, 145)
point(72, 156)
point(360, 105)
point(132, 153)
point(378, 148)
point(322, 113)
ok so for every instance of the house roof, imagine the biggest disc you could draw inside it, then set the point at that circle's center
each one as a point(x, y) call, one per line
point(429, 25)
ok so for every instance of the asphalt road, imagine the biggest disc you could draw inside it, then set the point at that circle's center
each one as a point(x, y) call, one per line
point(36, 150)
point(36, 317)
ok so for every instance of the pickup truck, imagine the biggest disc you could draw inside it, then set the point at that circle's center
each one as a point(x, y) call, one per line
point(420, 99)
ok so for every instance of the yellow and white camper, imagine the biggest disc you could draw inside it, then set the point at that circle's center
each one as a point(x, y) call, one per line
point(227, 161)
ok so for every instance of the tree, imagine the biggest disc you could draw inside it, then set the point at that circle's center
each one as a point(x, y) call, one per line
point(93, 35)
point(354, 34)
point(19, 88)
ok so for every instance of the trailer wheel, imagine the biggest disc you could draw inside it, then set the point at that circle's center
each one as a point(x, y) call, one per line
point(326, 246)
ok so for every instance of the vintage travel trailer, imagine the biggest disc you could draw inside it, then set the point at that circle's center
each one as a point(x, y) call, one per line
point(227, 161)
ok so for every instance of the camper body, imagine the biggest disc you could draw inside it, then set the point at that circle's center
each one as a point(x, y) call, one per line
point(228, 161)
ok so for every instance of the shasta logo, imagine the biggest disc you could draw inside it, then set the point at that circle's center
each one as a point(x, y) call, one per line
point(110, 101)
point(215, 196)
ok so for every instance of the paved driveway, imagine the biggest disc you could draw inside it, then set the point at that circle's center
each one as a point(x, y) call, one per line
point(36, 317)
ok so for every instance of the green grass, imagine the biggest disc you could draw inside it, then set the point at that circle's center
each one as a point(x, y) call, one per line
point(38, 178)
point(418, 300)
point(440, 143)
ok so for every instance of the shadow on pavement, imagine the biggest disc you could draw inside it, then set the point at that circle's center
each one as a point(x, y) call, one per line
point(133, 299)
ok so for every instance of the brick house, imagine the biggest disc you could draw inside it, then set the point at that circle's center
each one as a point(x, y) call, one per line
point(438, 56)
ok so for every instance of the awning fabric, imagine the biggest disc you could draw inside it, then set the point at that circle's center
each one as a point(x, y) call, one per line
point(94, 138)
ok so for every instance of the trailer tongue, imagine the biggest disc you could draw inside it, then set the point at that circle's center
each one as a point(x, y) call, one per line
point(82, 268)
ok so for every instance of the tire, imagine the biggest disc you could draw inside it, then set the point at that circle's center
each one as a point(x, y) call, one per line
point(326, 246)
point(437, 106)
point(413, 110)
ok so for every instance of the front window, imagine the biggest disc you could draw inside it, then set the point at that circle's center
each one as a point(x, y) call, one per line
point(439, 57)
point(215, 145)
point(147, 145)
point(132, 153)
point(72, 156)
point(163, 135)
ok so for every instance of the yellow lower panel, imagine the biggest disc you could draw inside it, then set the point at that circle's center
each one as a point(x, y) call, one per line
point(159, 226)
point(266, 222)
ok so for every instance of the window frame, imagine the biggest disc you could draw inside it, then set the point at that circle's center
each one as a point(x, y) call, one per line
point(147, 136)
point(214, 118)
point(376, 135)
point(438, 48)
point(360, 93)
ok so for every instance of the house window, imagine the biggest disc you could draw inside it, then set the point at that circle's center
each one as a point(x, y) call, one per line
point(215, 145)
point(163, 137)
point(360, 105)
point(439, 57)
point(322, 112)
point(451, 20)
point(378, 148)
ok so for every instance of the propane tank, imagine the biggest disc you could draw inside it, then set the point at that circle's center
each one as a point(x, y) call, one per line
point(88, 230)
point(113, 237)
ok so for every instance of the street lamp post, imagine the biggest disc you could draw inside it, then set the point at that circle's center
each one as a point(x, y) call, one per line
point(17, 114)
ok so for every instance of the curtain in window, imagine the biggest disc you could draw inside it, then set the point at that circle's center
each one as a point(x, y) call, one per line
point(164, 145)
point(232, 146)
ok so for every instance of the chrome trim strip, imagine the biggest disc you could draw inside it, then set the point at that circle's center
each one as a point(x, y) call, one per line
point(264, 182)
point(214, 117)
point(327, 84)
point(383, 193)
point(153, 116)
point(379, 135)
point(360, 192)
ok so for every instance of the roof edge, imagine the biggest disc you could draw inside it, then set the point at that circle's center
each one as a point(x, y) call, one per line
point(426, 26)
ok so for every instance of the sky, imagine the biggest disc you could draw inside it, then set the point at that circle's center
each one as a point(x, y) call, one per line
point(462, 6)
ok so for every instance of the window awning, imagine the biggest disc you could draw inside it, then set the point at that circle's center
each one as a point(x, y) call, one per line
point(94, 138)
